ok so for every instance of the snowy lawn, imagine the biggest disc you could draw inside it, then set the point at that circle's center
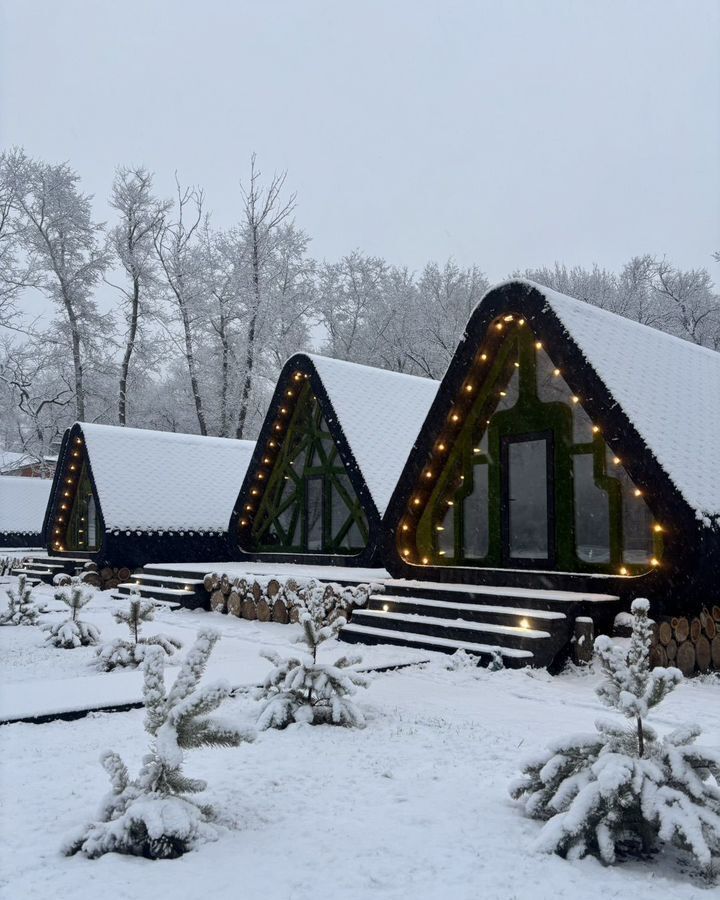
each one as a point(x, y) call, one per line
point(413, 806)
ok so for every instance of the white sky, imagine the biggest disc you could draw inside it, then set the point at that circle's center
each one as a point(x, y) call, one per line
point(507, 134)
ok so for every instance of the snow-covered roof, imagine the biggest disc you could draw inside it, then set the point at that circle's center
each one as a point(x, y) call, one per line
point(669, 388)
point(11, 461)
point(380, 414)
point(163, 481)
point(22, 504)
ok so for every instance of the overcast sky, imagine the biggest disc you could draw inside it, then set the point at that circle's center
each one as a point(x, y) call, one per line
point(507, 134)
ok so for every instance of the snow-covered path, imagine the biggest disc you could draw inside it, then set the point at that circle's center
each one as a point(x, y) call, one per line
point(414, 806)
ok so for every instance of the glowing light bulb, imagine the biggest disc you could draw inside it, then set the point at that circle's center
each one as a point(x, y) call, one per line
point(441, 446)
point(623, 570)
point(405, 527)
point(654, 562)
point(499, 326)
point(455, 417)
point(243, 522)
point(575, 399)
point(538, 345)
point(439, 528)
point(524, 623)
point(425, 560)
point(508, 319)
point(483, 356)
point(428, 474)
point(248, 507)
point(385, 607)
point(406, 553)
point(595, 429)
point(289, 393)
point(517, 365)
point(637, 492)
point(657, 528)
point(556, 372)
point(521, 322)
point(616, 460)
point(416, 501)
point(503, 393)
point(476, 450)
point(451, 503)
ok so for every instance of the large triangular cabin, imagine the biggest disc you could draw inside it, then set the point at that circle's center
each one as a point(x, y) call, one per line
point(569, 462)
point(332, 446)
point(129, 496)
point(23, 502)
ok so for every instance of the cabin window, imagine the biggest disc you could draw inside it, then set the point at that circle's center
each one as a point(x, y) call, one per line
point(82, 531)
point(527, 479)
point(309, 504)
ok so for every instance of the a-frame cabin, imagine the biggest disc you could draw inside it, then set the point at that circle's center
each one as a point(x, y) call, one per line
point(23, 501)
point(130, 496)
point(569, 463)
point(332, 446)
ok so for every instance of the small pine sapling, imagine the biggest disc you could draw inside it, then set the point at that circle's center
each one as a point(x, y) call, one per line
point(72, 632)
point(300, 689)
point(150, 816)
point(22, 609)
point(625, 787)
point(122, 653)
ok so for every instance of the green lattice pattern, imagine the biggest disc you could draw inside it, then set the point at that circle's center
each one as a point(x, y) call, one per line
point(309, 505)
point(523, 393)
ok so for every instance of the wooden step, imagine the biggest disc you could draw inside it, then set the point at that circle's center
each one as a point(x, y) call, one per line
point(430, 624)
point(365, 634)
point(502, 594)
point(170, 604)
point(162, 579)
point(152, 590)
point(474, 612)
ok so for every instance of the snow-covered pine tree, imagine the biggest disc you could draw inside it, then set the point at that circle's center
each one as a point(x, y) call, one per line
point(150, 816)
point(122, 653)
point(625, 786)
point(22, 609)
point(300, 689)
point(72, 632)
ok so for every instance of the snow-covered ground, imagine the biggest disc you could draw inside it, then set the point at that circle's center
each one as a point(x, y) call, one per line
point(413, 806)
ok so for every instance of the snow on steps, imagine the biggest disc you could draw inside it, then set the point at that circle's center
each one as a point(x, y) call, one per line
point(512, 657)
point(537, 624)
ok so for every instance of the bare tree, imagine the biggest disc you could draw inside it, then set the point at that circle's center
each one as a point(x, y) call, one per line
point(66, 257)
point(693, 307)
point(264, 212)
point(131, 241)
point(176, 245)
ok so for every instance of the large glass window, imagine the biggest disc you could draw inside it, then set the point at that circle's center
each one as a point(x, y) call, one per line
point(527, 498)
point(591, 512)
point(476, 526)
point(83, 531)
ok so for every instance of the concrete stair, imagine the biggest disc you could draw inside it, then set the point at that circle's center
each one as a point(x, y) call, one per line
point(526, 627)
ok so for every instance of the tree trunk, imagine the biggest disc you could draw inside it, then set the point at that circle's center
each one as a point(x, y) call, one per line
point(125, 366)
point(250, 349)
point(224, 376)
point(192, 369)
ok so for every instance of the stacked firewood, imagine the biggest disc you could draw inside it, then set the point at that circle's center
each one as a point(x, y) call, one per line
point(104, 577)
point(690, 644)
point(271, 600)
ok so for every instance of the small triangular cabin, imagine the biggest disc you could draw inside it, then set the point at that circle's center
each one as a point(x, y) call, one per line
point(332, 446)
point(567, 448)
point(130, 496)
point(23, 502)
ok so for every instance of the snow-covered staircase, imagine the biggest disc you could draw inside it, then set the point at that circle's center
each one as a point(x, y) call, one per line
point(45, 568)
point(169, 587)
point(527, 627)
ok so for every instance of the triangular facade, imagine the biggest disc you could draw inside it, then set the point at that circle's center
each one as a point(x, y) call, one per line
point(333, 444)
point(528, 462)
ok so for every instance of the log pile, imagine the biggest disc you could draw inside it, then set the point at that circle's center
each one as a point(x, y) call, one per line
point(271, 600)
point(105, 577)
point(690, 644)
